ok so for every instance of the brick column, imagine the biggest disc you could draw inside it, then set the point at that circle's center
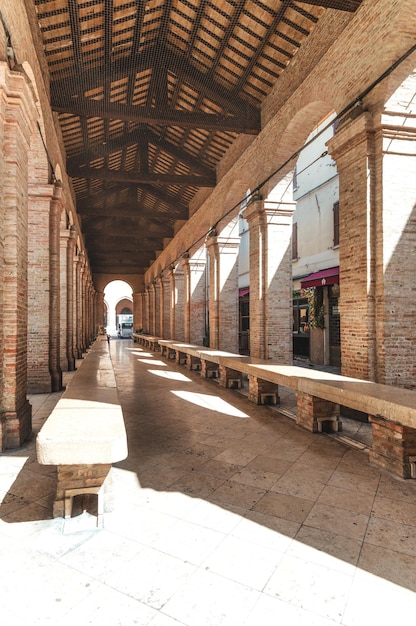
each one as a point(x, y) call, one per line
point(270, 231)
point(165, 306)
point(223, 292)
point(78, 307)
point(374, 155)
point(161, 311)
point(39, 322)
point(172, 309)
point(137, 310)
point(194, 299)
point(152, 309)
point(177, 303)
point(63, 323)
point(353, 149)
point(82, 304)
point(146, 324)
point(99, 309)
point(18, 115)
point(54, 289)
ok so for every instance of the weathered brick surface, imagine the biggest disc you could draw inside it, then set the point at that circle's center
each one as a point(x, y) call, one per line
point(80, 476)
point(229, 377)
point(393, 446)
point(311, 410)
point(223, 291)
point(257, 387)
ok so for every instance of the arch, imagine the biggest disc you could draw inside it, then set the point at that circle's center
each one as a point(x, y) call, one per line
point(287, 146)
point(115, 292)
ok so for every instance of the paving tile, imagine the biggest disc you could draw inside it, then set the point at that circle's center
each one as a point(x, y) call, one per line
point(357, 501)
point(152, 577)
point(270, 611)
point(237, 494)
point(256, 478)
point(326, 548)
point(282, 505)
point(374, 600)
point(297, 484)
point(311, 586)
point(402, 511)
point(243, 561)
point(270, 464)
point(393, 535)
point(208, 599)
point(390, 565)
point(190, 542)
point(338, 521)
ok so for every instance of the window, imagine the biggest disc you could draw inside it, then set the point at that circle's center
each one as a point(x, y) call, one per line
point(336, 223)
point(295, 241)
point(300, 315)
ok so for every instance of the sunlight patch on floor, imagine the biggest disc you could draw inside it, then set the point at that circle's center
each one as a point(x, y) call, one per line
point(213, 403)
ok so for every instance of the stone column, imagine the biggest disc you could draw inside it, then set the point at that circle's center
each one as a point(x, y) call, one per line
point(223, 292)
point(17, 117)
point(194, 299)
point(270, 231)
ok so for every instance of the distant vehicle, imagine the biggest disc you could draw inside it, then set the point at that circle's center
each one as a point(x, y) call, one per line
point(125, 329)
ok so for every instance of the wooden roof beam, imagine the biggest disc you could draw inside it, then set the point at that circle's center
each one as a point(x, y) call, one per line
point(340, 5)
point(134, 137)
point(139, 178)
point(85, 107)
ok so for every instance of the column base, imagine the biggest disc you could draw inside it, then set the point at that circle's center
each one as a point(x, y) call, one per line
point(15, 427)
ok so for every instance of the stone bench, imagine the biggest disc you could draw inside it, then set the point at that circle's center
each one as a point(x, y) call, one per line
point(148, 341)
point(85, 434)
point(391, 410)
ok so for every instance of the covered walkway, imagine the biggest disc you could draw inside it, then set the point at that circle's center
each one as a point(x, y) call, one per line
point(226, 514)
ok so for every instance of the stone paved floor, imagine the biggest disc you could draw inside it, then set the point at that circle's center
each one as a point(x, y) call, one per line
point(227, 514)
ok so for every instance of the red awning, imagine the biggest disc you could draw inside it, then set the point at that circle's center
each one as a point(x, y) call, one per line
point(318, 279)
point(243, 292)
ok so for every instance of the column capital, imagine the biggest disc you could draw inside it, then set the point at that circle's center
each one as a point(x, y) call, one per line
point(268, 210)
point(351, 133)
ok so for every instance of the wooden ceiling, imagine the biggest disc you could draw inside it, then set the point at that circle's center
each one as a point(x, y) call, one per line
point(150, 96)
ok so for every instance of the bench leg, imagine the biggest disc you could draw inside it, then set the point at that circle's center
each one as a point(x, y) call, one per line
point(230, 378)
point(262, 392)
point(394, 447)
point(74, 480)
point(317, 415)
point(71, 493)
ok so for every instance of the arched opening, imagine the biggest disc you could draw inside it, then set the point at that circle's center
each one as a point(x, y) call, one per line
point(118, 296)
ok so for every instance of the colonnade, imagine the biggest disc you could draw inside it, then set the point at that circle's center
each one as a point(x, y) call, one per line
point(48, 303)
point(375, 159)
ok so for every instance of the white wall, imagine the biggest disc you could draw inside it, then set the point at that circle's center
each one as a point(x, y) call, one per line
point(315, 193)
